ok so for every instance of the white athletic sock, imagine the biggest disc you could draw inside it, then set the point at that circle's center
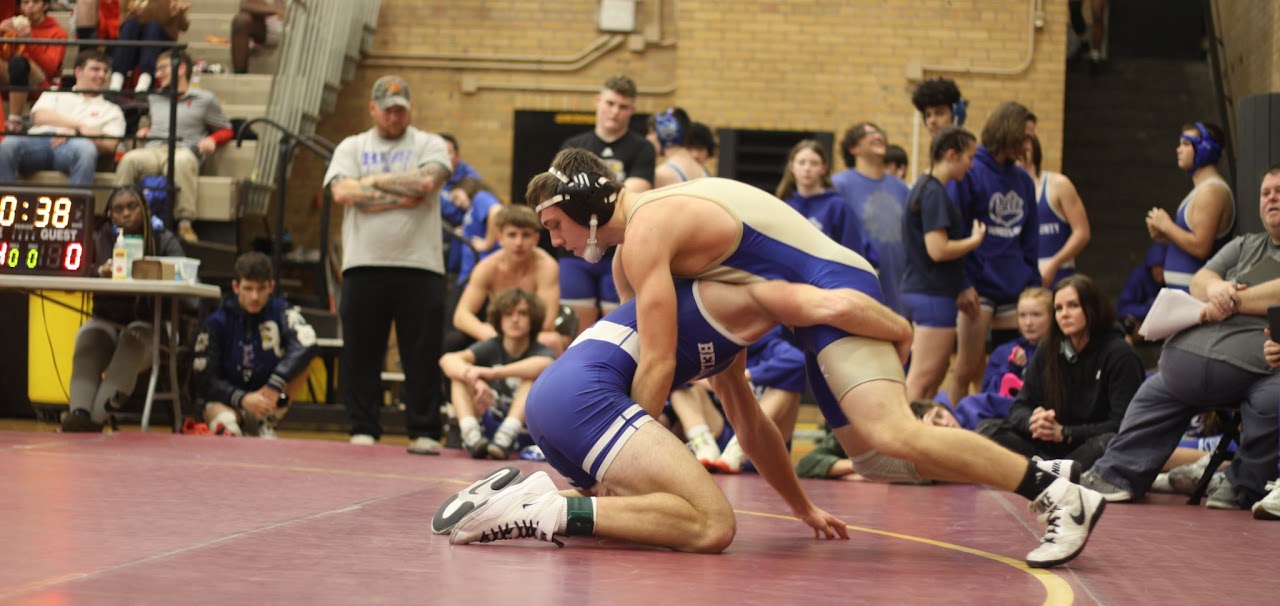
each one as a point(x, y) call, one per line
point(228, 420)
point(469, 428)
point(117, 81)
point(507, 432)
point(697, 430)
point(144, 83)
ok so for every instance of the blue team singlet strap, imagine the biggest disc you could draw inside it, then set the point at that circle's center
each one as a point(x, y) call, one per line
point(680, 173)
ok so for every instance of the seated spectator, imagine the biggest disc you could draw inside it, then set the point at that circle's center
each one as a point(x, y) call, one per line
point(147, 21)
point(202, 127)
point(38, 65)
point(97, 20)
point(1077, 387)
point(479, 226)
point(1140, 290)
point(775, 370)
point(72, 116)
point(1006, 366)
point(493, 377)
point(1218, 363)
point(253, 354)
point(828, 460)
point(519, 263)
point(114, 345)
point(260, 21)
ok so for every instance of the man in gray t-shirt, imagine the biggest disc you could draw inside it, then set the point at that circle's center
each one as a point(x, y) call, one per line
point(388, 181)
point(201, 128)
point(1218, 363)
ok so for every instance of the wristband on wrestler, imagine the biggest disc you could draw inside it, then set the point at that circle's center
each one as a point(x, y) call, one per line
point(582, 517)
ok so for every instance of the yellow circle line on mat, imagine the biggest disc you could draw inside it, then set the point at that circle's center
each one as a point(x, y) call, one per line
point(1058, 591)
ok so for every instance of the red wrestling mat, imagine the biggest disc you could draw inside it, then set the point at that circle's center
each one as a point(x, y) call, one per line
point(129, 518)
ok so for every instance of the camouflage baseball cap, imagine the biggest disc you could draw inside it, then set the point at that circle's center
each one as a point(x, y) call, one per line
point(390, 91)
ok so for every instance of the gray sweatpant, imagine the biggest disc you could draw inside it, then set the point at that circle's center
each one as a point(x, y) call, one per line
point(106, 362)
point(1186, 385)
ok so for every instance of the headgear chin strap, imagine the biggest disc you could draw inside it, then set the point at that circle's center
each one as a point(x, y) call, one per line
point(1207, 150)
point(592, 252)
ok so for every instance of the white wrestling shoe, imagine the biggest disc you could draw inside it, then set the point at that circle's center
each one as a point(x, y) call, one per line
point(1269, 507)
point(1063, 468)
point(704, 448)
point(1071, 512)
point(459, 505)
point(528, 510)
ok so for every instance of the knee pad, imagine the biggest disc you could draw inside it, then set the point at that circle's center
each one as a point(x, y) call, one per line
point(882, 468)
point(19, 70)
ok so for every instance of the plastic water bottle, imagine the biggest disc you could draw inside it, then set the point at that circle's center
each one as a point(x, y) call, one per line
point(120, 259)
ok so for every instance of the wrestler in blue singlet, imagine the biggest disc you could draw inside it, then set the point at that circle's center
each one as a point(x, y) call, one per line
point(580, 412)
point(777, 243)
point(1054, 231)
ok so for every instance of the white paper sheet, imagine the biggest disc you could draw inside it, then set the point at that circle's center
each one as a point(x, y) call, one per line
point(1173, 310)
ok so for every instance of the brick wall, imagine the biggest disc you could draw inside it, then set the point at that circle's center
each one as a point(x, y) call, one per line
point(784, 64)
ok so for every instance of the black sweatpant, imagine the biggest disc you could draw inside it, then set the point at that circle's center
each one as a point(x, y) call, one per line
point(373, 297)
point(1086, 453)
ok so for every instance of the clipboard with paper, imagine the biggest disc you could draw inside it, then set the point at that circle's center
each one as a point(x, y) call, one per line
point(1172, 311)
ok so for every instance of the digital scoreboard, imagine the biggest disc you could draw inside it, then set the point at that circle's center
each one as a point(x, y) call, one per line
point(46, 231)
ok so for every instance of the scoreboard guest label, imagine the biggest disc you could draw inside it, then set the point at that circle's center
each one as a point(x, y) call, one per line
point(45, 231)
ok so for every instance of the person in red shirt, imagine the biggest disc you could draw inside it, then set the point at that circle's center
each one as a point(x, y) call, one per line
point(29, 64)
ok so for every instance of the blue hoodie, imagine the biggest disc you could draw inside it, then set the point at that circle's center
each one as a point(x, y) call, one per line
point(828, 212)
point(239, 352)
point(1004, 197)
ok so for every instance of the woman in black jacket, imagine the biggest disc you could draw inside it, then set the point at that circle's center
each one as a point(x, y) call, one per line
point(114, 345)
point(1077, 386)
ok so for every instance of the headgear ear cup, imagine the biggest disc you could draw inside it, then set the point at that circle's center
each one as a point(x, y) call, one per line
point(1207, 150)
point(582, 195)
point(959, 111)
point(668, 128)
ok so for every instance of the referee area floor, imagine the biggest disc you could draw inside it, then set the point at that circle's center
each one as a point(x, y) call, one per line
point(129, 518)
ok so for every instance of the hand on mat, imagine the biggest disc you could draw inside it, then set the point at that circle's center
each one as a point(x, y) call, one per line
point(824, 524)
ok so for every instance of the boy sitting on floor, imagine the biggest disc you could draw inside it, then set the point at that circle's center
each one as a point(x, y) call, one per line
point(253, 354)
point(496, 374)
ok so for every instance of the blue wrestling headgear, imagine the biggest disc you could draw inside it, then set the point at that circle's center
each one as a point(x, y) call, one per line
point(1207, 150)
point(671, 126)
point(959, 111)
point(588, 199)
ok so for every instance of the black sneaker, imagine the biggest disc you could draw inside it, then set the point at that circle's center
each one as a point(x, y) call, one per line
point(79, 421)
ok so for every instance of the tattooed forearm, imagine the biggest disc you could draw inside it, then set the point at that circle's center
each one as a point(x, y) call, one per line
point(415, 183)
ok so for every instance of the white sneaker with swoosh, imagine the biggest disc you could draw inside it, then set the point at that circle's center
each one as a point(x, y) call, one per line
point(475, 495)
point(1071, 511)
point(529, 510)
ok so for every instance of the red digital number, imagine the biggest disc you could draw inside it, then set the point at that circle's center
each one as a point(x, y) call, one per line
point(75, 254)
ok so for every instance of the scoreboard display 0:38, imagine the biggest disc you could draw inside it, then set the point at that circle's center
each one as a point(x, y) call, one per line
point(45, 231)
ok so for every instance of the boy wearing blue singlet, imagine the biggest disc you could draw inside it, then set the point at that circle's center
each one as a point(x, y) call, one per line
point(1064, 223)
point(723, 230)
point(647, 487)
point(1206, 218)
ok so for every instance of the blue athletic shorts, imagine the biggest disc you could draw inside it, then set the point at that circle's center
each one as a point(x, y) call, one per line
point(583, 283)
point(930, 311)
